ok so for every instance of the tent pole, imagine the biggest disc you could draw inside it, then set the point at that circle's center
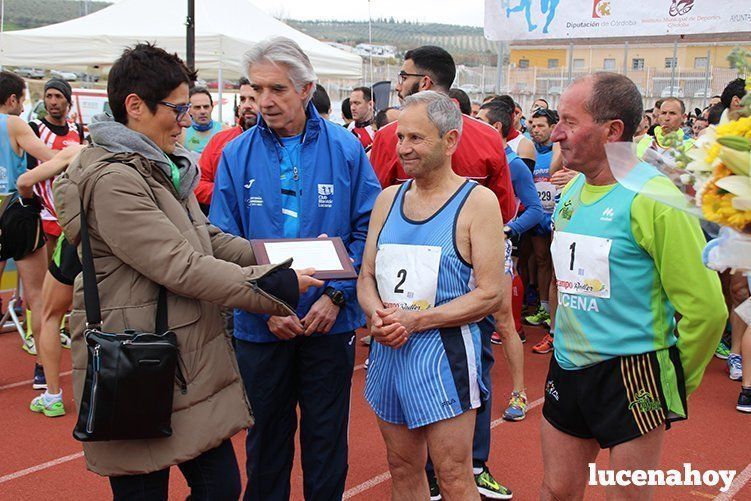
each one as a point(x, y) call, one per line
point(190, 23)
point(221, 86)
point(2, 24)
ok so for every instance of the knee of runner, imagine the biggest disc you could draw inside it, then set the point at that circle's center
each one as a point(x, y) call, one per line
point(451, 471)
point(559, 490)
point(405, 466)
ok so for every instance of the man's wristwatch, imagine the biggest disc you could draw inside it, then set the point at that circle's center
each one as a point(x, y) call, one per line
point(336, 296)
point(507, 230)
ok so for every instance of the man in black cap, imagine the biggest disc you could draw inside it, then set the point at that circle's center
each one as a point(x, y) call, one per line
point(57, 132)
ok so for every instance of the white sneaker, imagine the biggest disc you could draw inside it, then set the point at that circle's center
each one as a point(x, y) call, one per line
point(735, 367)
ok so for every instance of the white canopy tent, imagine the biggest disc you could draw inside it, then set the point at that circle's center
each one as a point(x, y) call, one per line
point(225, 29)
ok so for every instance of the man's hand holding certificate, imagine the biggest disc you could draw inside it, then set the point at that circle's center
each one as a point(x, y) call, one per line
point(327, 255)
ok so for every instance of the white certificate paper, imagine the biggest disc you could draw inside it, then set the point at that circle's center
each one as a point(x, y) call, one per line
point(320, 255)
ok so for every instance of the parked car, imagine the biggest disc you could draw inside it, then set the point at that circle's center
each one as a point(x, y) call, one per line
point(34, 73)
point(672, 91)
point(87, 77)
point(226, 84)
point(65, 75)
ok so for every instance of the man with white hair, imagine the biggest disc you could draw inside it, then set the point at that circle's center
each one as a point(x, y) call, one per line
point(296, 175)
point(430, 270)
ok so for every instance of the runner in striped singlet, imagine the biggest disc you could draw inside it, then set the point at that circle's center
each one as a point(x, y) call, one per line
point(429, 273)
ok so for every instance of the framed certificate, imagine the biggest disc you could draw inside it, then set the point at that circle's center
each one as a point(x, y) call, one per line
point(327, 255)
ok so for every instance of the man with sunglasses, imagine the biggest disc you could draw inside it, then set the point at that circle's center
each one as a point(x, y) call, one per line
point(480, 156)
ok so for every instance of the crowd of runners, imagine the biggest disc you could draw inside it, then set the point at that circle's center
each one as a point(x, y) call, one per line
point(465, 220)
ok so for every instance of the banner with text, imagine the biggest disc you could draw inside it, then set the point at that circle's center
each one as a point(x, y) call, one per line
point(513, 20)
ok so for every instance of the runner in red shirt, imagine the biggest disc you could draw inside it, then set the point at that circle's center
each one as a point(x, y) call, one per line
point(247, 115)
point(57, 132)
point(479, 156)
point(361, 104)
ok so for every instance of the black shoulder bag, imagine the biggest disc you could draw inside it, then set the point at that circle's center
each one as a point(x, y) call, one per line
point(130, 376)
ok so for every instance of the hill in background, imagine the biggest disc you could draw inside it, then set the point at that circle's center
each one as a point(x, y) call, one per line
point(466, 43)
point(24, 14)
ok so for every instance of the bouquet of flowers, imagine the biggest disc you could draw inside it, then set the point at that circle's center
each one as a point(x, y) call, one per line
point(713, 177)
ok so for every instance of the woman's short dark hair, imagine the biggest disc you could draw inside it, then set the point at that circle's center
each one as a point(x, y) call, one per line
point(437, 62)
point(201, 90)
point(149, 72)
point(10, 85)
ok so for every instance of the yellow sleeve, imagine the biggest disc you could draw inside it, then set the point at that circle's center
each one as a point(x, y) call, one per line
point(675, 241)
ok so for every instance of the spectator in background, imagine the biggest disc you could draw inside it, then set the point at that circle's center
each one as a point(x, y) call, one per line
point(385, 117)
point(475, 109)
point(361, 105)
point(714, 113)
point(322, 102)
point(203, 127)
point(672, 118)
point(655, 117)
point(346, 113)
point(700, 123)
point(21, 235)
point(246, 115)
point(644, 125)
point(539, 103)
point(517, 141)
point(732, 95)
point(714, 100)
point(461, 97)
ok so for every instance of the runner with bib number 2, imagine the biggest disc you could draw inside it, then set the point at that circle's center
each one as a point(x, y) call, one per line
point(429, 272)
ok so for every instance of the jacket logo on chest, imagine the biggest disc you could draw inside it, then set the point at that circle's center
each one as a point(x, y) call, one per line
point(325, 195)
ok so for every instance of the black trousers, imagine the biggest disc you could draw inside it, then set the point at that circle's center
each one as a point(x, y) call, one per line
point(316, 374)
point(212, 476)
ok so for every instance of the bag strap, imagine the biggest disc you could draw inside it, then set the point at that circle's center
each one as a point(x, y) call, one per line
point(91, 290)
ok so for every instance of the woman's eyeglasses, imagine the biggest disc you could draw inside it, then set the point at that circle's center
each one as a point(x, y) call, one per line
point(179, 109)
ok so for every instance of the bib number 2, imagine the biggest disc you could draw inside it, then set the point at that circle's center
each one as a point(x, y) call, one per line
point(407, 275)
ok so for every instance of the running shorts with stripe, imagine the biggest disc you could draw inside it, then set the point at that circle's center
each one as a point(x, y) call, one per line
point(434, 376)
point(616, 400)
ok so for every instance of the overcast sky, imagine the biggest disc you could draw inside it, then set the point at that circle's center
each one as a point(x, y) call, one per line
point(439, 11)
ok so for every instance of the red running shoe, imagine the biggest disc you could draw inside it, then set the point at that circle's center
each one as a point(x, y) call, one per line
point(544, 346)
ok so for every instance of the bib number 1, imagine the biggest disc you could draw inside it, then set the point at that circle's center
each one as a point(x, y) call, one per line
point(582, 264)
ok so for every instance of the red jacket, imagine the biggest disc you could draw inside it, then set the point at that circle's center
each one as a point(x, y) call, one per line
point(480, 156)
point(209, 161)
